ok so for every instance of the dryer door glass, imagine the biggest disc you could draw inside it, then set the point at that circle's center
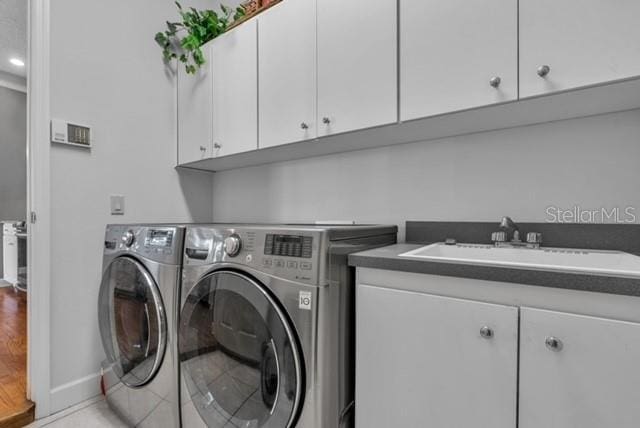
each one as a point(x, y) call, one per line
point(240, 361)
point(132, 321)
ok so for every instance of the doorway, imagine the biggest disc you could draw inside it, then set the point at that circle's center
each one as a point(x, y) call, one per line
point(15, 408)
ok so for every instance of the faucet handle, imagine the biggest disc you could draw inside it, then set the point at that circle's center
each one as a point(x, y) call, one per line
point(534, 238)
point(500, 236)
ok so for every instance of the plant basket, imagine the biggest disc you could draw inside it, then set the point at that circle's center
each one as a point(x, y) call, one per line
point(252, 8)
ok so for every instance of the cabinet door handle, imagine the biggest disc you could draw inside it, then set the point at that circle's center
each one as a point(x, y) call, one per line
point(495, 81)
point(303, 125)
point(203, 149)
point(543, 70)
point(326, 120)
point(553, 343)
point(486, 332)
point(217, 146)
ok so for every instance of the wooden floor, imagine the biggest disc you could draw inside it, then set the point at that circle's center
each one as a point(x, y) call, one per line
point(15, 409)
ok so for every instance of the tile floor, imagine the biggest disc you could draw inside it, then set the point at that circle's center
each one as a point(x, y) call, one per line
point(93, 413)
point(239, 395)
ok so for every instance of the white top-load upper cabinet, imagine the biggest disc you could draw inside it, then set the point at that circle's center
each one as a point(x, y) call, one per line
point(218, 105)
point(571, 43)
point(291, 80)
point(234, 60)
point(457, 54)
point(287, 73)
point(357, 67)
point(326, 67)
point(195, 112)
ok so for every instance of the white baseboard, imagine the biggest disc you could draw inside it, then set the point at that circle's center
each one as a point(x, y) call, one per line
point(72, 393)
point(39, 423)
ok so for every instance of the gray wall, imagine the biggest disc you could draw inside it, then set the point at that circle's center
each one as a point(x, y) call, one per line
point(13, 162)
point(116, 82)
point(591, 162)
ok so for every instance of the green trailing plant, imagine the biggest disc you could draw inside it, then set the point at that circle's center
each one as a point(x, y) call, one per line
point(183, 40)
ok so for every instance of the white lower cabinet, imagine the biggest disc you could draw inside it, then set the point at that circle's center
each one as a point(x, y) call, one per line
point(422, 361)
point(589, 380)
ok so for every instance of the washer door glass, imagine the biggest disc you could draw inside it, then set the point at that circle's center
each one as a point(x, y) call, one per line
point(239, 359)
point(132, 321)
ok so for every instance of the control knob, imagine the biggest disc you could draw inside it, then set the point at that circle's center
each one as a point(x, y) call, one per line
point(232, 245)
point(128, 238)
point(500, 236)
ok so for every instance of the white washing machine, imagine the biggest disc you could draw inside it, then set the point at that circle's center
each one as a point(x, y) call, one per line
point(137, 316)
point(266, 330)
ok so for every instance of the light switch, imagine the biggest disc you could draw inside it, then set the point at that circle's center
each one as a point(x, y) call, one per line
point(117, 204)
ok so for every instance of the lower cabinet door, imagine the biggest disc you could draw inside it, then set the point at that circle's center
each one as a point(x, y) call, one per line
point(431, 361)
point(578, 371)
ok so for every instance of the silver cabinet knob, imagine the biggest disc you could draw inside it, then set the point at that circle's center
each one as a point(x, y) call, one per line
point(543, 70)
point(553, 343)
point(203, 149)
point(217, 146)
point(303, 125)
point(495, 81)
point(326, 120)
point(534, 238)
point(486, 332)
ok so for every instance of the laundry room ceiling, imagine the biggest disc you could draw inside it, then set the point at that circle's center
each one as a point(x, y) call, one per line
point(13, 35)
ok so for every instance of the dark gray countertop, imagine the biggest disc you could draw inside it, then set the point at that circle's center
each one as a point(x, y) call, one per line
point(387, 258)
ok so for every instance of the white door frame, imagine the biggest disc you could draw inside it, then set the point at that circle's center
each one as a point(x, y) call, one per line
point(38, 204)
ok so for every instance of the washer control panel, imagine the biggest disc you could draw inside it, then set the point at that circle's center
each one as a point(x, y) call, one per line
point(160, 244)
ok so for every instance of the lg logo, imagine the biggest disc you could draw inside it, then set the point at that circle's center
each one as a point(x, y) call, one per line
point(304, 300)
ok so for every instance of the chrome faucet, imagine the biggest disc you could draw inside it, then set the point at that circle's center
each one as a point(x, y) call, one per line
point(509, 236)
point(510, 226)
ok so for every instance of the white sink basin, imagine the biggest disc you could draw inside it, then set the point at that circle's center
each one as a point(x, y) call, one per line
point(615, 263)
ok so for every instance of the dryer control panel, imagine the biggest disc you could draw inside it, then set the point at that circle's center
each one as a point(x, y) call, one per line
point(288, 253)
point(288, 245)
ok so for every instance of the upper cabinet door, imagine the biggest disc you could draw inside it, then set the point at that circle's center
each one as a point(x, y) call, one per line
point(456, 54)
point(195, 112)
point(234, 58)
point(357, 64)
point(578, 371)
point(287, 73)
point(582, 42)
point(430, 361)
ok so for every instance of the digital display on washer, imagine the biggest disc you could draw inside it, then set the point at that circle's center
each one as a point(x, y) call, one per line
point(159, 238)
point(288, 245)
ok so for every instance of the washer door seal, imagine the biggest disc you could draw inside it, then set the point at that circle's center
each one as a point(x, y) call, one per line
point(132, 321)
point(240, 359)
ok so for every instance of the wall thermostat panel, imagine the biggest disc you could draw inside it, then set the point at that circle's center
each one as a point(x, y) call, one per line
point(70, 133)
